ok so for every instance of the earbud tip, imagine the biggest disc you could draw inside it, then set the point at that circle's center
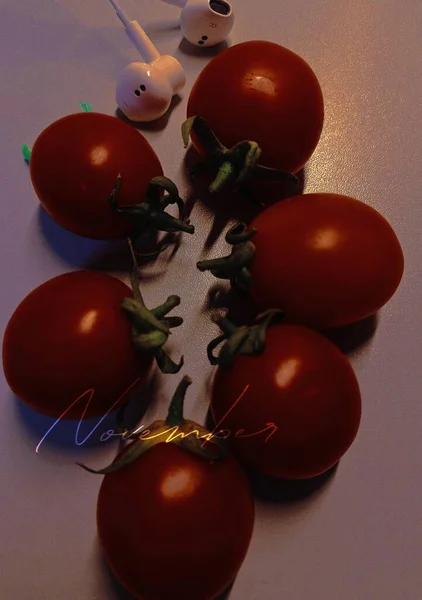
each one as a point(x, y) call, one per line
point(206, 23)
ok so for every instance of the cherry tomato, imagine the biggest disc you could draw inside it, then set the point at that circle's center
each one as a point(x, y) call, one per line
point(69, 336)
point(74, 165)
point(325, 259)
point(174, 526)
point(293, 410)
point(261, 92)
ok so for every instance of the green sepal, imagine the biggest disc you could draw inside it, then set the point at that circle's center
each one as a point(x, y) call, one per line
point(177, 430)
point(240, 340)
point(150, 213)
point(237, 164)
point(132, 452)
point(151, 327)
point(86, 106)
point(26, 153)
point(236, 266)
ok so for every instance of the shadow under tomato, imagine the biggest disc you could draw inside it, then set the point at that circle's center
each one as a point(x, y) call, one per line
point(226, 594)
point(71, 248)
point(89, 433)
point(116, 257)
point(117, 590)
point(158, 124)
point(354, 336)
point(227, 205)
point(285, 491)
point(103, 255)
point(282, 491)
point(238, 307)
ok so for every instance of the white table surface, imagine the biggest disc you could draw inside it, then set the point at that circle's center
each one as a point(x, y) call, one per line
point(359, 537)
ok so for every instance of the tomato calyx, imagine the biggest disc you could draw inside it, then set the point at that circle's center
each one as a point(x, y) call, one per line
point(238, 164)
point(26, 153)
point(150, 214)
point(186, 434)
point(240, 340)
point(151, 327)
point(235, 266)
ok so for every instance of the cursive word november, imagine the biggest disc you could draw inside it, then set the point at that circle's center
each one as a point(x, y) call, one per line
point(172, 432)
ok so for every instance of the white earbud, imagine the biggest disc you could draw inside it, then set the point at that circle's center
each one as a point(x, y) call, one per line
point(205, 22)
point(145, 89)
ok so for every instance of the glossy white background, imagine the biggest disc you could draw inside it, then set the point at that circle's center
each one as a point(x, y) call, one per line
point(360, 535)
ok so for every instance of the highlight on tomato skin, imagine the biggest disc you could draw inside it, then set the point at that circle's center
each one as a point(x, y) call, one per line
point(74, 166)
point(175, 526)
point(69, 339)
point(303, 386)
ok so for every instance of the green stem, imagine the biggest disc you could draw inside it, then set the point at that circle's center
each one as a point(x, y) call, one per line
point(252, 153)
point(239, 234)
point(212, 265)
point(208, 138)
point(175, 413)
point(151, 328)
point(161, 311)
point(238, 164)
point(188, 435)
point(150, 213)
point(226, 173)
point(166, 364)
point(135, 279)
point(236, 266)
point(227, 327)
point(240, 340)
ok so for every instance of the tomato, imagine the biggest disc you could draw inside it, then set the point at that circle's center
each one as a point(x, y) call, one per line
point(74, 165)
point(262, 92)
point(327, 260)
point(68, 336)
point(173, 525)
point(291, 411)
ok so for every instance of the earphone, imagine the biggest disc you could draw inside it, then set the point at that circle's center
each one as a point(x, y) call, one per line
point(145, 89)
point(205, 22)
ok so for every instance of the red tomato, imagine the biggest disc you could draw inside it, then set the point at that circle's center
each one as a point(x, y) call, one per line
point(74, 166)
point(301, 384)
point(68, 336)
point(262, 92)
point(174, 526)
point(326, 260)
